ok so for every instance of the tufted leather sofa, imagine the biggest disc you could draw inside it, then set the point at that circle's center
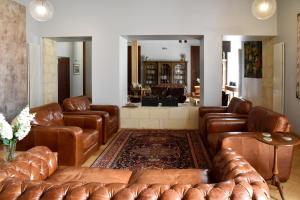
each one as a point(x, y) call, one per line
point(260, 155)
point(75, 138)
point(34, 175)
point(238, 107)
point(109, 113)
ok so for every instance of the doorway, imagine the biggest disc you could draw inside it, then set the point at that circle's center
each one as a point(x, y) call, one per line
point(63, 69)
point(162, 61)
point(68, 68)
point(248, 68)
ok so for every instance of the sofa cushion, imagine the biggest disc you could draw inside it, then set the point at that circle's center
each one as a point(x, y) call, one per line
point(170, 176)
point(83, 174)
point(89, 138)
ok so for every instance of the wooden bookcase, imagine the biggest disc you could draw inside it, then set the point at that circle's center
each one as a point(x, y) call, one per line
point(158, 72)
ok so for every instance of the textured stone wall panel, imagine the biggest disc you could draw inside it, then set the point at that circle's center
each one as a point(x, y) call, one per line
point(13, 58)
point(50, 73)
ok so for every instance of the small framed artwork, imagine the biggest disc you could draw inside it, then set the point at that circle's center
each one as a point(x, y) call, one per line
point(76, 69)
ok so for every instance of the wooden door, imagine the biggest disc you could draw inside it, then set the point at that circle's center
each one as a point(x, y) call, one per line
point(195, 65)
point(63, 79)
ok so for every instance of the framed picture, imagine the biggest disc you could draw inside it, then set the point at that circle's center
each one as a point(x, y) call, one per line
point(253, 59)
point(76, 69)
point(298, 59)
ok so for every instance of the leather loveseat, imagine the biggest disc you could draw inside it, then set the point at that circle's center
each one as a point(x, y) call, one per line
point(260, 155)
point(238, 107)
point(35, 175)
point(109, 113)
point(75, 138)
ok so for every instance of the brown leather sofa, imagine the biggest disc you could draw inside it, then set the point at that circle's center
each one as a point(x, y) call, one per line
point(261, 156)
point(109, 113)
point(75, 138)
point(34, 175)
point(238, 107)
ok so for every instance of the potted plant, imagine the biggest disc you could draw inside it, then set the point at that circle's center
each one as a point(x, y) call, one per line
point(10, 134)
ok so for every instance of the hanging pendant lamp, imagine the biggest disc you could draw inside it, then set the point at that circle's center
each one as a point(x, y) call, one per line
point(41, 10)
point(264, 9)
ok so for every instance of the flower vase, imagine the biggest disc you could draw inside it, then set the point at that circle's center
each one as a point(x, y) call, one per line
point(10, 151)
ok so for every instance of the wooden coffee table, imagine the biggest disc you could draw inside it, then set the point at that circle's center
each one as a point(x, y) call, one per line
point(277, 140)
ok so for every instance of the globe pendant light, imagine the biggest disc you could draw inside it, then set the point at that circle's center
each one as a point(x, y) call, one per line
point(263, 9)
point(41, 10)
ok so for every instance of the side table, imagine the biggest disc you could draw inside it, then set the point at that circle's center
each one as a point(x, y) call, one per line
point(278, 140)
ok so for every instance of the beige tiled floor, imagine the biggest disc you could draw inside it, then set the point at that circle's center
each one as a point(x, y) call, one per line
point(291, 187)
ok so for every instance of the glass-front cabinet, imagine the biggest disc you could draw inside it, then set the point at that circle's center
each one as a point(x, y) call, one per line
point(179, 73)
point(165, 73)
point(160, 72)
point(150, 73)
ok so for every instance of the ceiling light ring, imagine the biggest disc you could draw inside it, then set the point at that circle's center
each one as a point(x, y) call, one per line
point(264, 9)
point(41, 10)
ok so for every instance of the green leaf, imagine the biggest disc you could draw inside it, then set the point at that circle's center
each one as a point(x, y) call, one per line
point(5, 141)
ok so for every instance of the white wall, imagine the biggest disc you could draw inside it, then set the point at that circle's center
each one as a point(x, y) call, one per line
point(153, 50)
point(76, 86)
point(106, 21)
point(65, 49)
point(287, 33)
point(123, 72)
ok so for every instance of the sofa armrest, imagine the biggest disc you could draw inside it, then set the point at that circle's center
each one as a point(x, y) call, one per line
point(229, 165)
point(84, 121)
point(65, 140)
point(220, 125)
point(211, 109)
point(215, 140)
point(35, 164)
point(111, 109)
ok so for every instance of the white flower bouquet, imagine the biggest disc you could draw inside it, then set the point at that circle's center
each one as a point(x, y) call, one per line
point(18, 130)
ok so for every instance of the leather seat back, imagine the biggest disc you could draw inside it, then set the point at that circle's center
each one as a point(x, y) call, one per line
point(80, 103)
point(261, 119)
point(48, 115)
point(239, 105)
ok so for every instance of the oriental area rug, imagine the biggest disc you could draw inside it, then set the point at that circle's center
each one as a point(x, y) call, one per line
point(154, 149)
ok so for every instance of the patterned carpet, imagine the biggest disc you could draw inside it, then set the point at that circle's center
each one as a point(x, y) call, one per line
point(151, 149)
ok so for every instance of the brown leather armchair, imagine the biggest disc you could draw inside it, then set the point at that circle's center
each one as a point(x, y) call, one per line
point(109, 113)
point(261, 155)
point(259, 120)
point(34, 175)
point(75, 138)
point(238, 107)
